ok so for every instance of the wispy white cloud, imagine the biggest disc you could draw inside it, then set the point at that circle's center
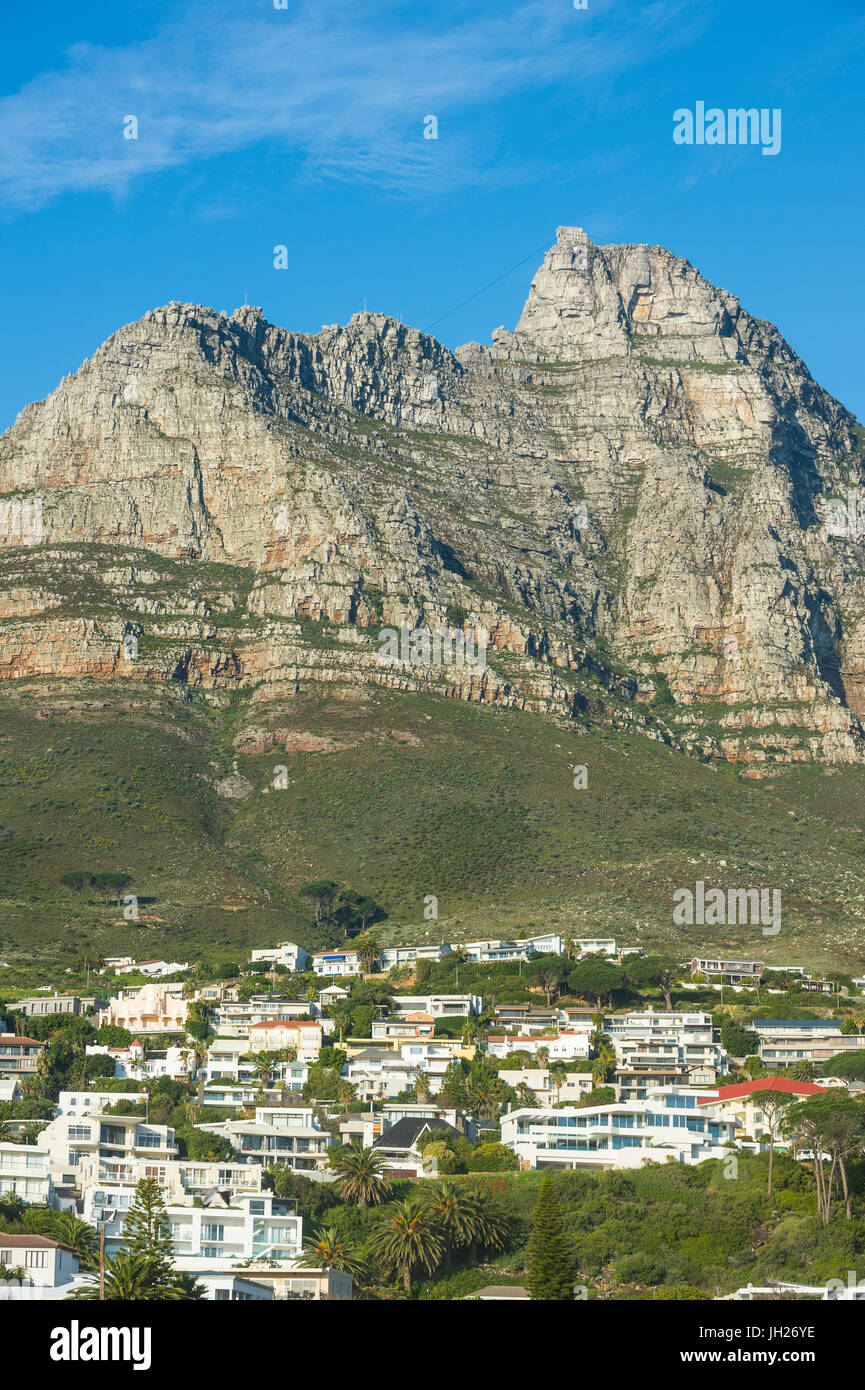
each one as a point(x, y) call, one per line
point(346, 86)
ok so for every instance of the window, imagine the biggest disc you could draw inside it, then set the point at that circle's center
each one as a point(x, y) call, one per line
point(36, 1259)
point(212, 1232)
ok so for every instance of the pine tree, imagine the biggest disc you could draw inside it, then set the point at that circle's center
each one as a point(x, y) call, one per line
point(146, 1230)
point(551, 1259)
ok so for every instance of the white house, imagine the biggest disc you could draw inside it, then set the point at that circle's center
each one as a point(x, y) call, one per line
point(492, 951)
point(255, 1226)
point(439, 1005)
point(24, 1172)
point(648, 1038)
point(571, 1044)
point(337, 963)
point(278, 1134)
point(394, 956)
point(70, 1138)
point(667, 1127)
point(155, 969)
point(596, 945)
point(138, 1063)
point(91, 1102)
point(46, 1263)
point(378, 1074)
point(103, 1182)
point(287, 953)
point(548, 1088)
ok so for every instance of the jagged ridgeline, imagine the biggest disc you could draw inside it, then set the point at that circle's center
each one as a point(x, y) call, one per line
point(623, 495)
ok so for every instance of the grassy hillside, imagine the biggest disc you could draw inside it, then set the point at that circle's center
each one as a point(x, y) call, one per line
point(399, 796)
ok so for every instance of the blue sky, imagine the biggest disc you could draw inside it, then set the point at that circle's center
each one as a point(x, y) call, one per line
point(303, 127)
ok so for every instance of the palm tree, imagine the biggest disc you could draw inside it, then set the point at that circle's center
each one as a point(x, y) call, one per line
point(328, 1250)
point(466, 1219)
point(361, 1175)
point(262, 1066)
point(345, 1095)
point(368, 951)
point(129, 1278)
point(76, 1235)
point(187, 1289)
point(409, 1236)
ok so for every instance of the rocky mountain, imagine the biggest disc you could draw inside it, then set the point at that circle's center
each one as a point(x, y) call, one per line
point(625, 497)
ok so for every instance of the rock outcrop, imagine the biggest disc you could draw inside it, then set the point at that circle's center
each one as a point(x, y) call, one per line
point(624, 495)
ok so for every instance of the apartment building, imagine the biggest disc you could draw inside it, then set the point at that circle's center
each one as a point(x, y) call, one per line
point(256, 1226)
point(278, 1134)
point(272, 1035)
point(784, 1041)
point(72, 1138)
point(25, 1172)
point(379, 1074)
point(667, 1127)
point(650, 1038)
point(234, 1018)
point(184, 1181)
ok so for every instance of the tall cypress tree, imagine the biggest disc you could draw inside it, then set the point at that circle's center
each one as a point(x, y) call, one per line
point(551, 1257)
point(146, 1230)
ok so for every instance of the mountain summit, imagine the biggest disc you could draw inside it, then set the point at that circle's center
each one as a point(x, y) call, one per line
point(625, 494)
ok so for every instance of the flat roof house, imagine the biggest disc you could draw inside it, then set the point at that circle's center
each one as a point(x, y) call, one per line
point(666, 1127)
point(337, 963)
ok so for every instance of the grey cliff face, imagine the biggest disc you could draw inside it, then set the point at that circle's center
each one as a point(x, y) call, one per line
point(624, 493)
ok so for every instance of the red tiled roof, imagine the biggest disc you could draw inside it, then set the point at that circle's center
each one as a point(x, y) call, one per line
point(15, 1037)
point(768, 1083)
point(285, 1023)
